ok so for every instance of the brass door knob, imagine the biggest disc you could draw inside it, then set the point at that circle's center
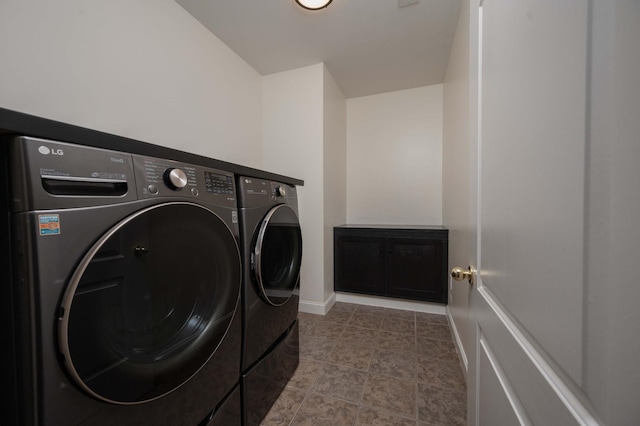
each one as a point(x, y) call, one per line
point(460, 274)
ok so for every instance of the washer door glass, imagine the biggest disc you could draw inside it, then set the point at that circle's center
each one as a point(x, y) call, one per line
point(278, 254)
point(150, 303)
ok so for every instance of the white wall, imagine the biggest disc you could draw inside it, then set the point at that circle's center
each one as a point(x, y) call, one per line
point(334, 171)
point(143, 69)
point(293, 146)
point(394, 157)
point(305, 137)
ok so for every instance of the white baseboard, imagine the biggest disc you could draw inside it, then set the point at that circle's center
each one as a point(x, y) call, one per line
point(321, 308)
point(317, 308)
point(387, 302)
point(458, 342)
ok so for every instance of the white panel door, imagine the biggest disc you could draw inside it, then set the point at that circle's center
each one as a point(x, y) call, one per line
point(527, 301)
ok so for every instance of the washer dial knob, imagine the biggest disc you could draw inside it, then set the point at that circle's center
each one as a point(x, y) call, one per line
point(281, 191)
point(175, 179)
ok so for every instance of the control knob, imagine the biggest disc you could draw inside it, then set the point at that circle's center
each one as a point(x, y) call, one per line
point(281, 191)
point(175, 178)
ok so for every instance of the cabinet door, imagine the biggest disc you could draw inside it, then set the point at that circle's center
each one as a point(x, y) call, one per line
point(359, 264)
point(415, 268)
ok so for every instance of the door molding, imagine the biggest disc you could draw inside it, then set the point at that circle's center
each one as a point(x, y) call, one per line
point(534, 358)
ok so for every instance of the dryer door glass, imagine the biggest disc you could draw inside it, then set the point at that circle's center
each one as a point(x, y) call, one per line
point(278, 254)
point(150, 303)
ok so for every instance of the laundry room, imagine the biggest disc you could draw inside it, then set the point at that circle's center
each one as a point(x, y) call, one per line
point(150, 72)
point(302, 152)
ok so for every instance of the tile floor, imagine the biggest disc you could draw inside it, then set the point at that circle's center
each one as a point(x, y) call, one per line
point(364, 365)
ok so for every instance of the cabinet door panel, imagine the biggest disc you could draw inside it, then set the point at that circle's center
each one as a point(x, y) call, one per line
point(359, 264)
point(415, 268)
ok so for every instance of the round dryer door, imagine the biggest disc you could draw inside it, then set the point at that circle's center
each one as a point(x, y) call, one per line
point(278, 255)
point(150, 303)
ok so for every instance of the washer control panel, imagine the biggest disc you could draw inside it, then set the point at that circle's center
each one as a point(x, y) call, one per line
point(159, 177)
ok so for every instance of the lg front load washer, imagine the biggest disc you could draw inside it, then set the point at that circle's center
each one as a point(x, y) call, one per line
point(125, 289)
point(271, 242)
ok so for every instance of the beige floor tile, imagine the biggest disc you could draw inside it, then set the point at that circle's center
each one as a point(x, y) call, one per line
point(368, 416)
point(441, 373)
point(319, 410)
point(306, 374)
point(434, 331)
point(390, 393)
point(441, 406)
point(342, 383)
point(364, 365)
point(399, 364)
point(338, 316)
point(315, 347)
point(329, 330)
point(358, 336)
point(358, 357)
point(285, 407)
point(440, 349)
point(365, 320)
point(372, 310)
point(399, 326)
point(401, 342)
point(342, 306)
point(432, 318)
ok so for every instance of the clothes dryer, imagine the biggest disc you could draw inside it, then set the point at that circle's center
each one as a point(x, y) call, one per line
point(271, 242)
point(125, 289)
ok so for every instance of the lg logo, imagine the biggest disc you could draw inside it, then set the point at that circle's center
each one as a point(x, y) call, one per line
point(46, 151)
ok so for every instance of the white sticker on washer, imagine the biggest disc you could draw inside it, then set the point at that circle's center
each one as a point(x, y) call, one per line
point(234, 216)
point(49, 224)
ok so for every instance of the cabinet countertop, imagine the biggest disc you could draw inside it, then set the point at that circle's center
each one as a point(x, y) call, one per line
point(379, 226)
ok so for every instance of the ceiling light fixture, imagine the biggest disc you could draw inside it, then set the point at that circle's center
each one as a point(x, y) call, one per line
point(314, 4)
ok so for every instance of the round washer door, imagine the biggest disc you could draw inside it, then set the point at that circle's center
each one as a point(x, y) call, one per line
point(150, 303)
point(278, 255)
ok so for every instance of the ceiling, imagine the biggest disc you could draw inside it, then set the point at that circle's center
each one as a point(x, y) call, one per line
point(368, 46)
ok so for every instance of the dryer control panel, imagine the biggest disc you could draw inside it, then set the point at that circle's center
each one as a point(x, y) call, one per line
point(282, 192)
point(254, 192)
point(167, 178)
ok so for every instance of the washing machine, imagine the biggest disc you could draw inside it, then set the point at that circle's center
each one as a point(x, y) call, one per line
point(271, 243)
point(124, 297)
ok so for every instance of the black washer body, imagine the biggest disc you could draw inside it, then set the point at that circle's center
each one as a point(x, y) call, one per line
point(271, 243)
point(125, 289)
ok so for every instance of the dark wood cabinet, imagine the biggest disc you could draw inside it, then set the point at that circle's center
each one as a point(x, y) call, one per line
point(403, 262)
